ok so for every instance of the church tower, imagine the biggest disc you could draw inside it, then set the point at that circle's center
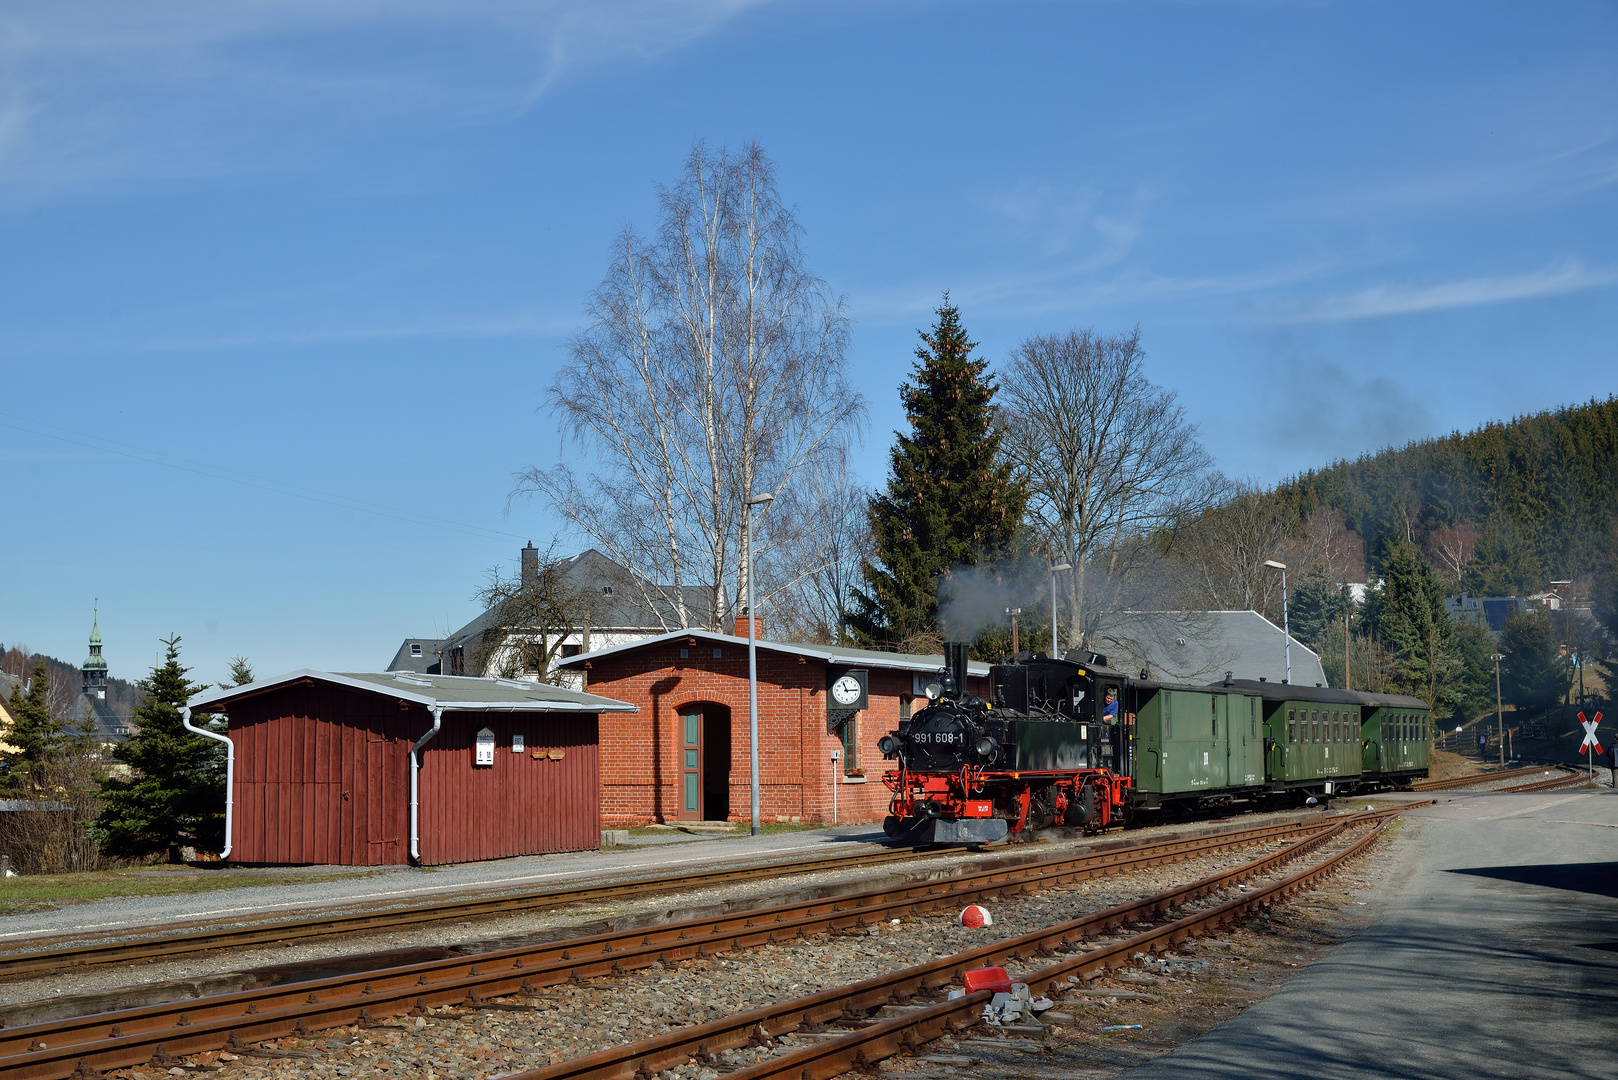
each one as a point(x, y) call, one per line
point(95, 668)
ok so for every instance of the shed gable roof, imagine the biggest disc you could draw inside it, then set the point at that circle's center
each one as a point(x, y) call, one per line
point(458, 693)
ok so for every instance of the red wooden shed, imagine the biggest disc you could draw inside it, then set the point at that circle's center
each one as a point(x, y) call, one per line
point(368, 769)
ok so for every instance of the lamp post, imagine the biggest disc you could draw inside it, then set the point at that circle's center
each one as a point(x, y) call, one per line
point(1016, 646)
point(1286, 631)
point(752, 659)
point(1499, 715)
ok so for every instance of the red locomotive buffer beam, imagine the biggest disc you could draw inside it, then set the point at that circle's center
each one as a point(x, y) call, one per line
point(982, 805)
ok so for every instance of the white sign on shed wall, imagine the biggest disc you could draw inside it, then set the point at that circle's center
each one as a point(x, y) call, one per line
point(483, 749)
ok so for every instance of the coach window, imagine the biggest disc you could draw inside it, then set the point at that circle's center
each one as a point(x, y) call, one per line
point(1213, 706)
point(1252, 715)
point(1292, 725)
point(851, 746)
point(1168, 715)
point(1314, 725)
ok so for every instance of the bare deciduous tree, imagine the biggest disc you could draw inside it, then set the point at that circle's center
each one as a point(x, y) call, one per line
point(819, 534)
point(1106, 455)
point(1450, 549)
point(527, 619)
point(1222, 552)
point(712, 368)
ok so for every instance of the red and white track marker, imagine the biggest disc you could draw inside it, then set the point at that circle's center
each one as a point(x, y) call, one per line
point(974, 917)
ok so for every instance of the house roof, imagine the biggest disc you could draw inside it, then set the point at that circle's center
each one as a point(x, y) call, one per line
point(831, 654)
point(457, 693)
point(1196, 646)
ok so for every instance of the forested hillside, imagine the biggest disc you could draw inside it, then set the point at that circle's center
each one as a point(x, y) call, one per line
point(1501, 510)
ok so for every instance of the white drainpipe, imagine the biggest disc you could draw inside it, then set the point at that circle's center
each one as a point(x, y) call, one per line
point(415, 783)
point(230, 772)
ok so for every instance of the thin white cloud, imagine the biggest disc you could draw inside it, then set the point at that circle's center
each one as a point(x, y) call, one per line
point(1381, 301)
point(91, 92)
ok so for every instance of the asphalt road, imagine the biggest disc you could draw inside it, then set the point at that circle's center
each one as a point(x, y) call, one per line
point(1498, 956)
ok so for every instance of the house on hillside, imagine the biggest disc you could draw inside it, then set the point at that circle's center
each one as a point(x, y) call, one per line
point(609, 594)
point(1490, 612)
point(1202, 646)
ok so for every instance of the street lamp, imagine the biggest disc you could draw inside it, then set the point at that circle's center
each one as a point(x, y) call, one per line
point(1499, 721)
point(752, 657)
point(1286, 632)
point(1056, 650)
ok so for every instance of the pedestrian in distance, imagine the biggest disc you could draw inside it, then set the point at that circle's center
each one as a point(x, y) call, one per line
point(1612, 750)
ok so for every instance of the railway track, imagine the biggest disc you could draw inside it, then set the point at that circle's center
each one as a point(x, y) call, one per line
point(1476, 778)
point(179, 939)
point(161, 1033)
point(862, 1048)
point(1567, 779)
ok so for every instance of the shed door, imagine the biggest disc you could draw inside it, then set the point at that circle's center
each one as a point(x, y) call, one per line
point(381, 805)
point(691, 767)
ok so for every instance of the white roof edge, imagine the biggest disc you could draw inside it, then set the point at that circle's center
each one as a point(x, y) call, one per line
point(828, 653)
point(397, 690)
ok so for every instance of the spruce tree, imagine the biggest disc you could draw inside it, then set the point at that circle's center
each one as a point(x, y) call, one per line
point(1414, 624)
point(34, 732)
point(950, 501)
point(1534, 673)
point(177, 793)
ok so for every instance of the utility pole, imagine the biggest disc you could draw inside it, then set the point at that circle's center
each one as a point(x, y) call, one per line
point(1499, 721)
point(1016, 645)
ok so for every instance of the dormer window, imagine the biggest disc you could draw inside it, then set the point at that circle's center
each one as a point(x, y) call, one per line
point(415, 648)
point(606, 590)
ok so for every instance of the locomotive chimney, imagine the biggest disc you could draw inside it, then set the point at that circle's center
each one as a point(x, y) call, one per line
point(955, 661)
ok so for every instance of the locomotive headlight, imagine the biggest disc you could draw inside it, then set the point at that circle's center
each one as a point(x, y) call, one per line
point(986, 747)
point(934, 691)
point(888, 745)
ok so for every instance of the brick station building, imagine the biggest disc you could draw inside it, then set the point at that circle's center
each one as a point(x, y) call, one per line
point(684, 755)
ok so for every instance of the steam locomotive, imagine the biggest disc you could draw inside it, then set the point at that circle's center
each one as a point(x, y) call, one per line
point(1046, 749)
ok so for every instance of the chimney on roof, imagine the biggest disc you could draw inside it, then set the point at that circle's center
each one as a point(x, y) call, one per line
point(741, 625)
point(530, 565)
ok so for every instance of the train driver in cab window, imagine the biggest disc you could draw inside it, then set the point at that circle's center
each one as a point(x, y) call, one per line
point(1109, 708)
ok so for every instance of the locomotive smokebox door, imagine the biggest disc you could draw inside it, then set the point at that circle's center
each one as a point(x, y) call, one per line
point(847, 692)
point(483, 748)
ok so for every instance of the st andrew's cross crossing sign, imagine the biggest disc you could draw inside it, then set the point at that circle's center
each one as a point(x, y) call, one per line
point(1590, 732)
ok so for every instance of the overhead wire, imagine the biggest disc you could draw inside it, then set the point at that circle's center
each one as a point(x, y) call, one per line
point(236, 476)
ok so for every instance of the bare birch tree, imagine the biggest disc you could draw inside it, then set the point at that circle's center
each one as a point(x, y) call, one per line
point(712, 368)
point(820, 534)
point(1106, 455)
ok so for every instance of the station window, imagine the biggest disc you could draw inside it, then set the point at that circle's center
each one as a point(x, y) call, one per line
point(851, 745)
point(904, 706)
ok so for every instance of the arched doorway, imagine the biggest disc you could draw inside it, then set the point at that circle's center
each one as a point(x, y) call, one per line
point(704, 749)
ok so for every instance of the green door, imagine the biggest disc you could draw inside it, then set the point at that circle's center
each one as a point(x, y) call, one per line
point(691, 767)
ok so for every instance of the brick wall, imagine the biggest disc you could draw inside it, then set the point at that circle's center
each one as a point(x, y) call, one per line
point(640, 752)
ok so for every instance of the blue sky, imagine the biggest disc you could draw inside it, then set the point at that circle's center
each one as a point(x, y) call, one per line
point(338, 246)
